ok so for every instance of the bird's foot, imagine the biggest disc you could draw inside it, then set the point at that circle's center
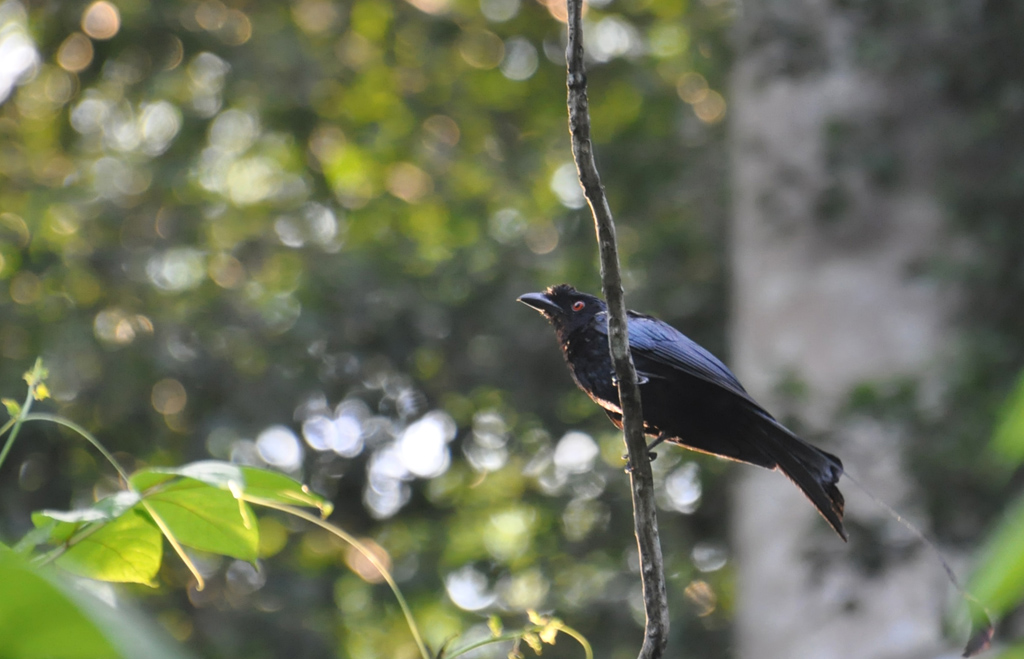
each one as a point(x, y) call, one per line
point(651, 455)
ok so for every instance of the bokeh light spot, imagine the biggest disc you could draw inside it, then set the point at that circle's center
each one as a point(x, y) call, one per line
point(244, 578)
point(481, 49)
point(708, 557)
point(76, 53)
point(692, 87)
point(348, 435)
point(408, 182)
point(278, 446)
point(683, 487)
point(113, 326)
point(14, 228)
point(101, 20)
point(468, 589)
point(612, 37)
point(363, 566)
point(565, 183)
point(667, 40)
point(423, 446)
point(169, 396)
point(26, 288)
point(508, 533)
point(710, 109)
point(178, 269)
point(542, 237)
point(237, 28)
point(499, 11)
point(525, 590)
point(521, 59)
point(211, 15)
point(576, 452)
point(226, 271)
point(18, 56)
point(314, 16)
point(159, 123)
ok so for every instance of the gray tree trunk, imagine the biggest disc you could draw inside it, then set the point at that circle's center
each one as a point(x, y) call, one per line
point(824, 244)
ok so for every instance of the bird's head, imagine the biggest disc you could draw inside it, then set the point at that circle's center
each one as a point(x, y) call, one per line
point(564, 306)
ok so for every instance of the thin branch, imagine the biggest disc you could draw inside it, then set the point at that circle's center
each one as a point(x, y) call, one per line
point(644, 512)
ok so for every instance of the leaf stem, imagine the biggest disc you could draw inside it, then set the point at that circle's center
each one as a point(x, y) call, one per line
point(361, 548)
point(178, 549)
point(88, 436)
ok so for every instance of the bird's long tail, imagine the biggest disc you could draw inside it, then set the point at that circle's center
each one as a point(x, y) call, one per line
point(814, 471)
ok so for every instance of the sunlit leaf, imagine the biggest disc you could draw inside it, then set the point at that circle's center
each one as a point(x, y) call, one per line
point(234, 478)
point(212, 472)
point(207, 518)
point(126, 549)
point(70, 521)
point(278, 487)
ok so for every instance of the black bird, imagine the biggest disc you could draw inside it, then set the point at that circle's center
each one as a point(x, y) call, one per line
point(689, 397)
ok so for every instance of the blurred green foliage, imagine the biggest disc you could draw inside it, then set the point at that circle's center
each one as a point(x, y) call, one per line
point(48, 618)
point(292, 234)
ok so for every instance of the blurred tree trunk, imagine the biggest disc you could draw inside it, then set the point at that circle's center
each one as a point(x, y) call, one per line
point(834, 211)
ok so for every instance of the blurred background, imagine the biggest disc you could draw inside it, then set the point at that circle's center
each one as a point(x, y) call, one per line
point(291, 234)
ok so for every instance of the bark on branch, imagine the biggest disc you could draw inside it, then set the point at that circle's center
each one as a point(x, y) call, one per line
point(644, 512)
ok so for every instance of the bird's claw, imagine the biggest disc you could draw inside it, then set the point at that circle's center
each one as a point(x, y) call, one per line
point(651, 456)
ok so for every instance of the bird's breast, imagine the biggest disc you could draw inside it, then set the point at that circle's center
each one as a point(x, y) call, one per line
point(591, 368)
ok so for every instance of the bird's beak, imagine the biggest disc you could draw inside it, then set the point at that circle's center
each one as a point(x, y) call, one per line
point(541, 303)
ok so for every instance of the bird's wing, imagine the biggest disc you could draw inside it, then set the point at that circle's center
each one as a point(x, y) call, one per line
point(658, 346)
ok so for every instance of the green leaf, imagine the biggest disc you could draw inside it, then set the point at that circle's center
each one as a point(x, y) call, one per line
point(999, 579)
point(1012, 652)
point(42, 617)
point(260, 483)
point(128, 548)
point(38, 621)
point(278, 487)
point(222, 475)
point(36, 537)
point(68, 522)
point(207, 518)
point(13, 406)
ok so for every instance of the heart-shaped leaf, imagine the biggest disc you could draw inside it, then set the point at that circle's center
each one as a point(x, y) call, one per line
point(260, 483)
point(206, 518)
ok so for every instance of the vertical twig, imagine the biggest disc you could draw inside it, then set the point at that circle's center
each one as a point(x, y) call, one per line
point(644, 512)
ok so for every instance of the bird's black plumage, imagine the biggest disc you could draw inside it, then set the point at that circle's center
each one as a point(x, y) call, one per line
point(689, 397)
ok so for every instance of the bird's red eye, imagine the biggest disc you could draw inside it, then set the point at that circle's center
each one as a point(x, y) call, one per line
point(578, 305)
